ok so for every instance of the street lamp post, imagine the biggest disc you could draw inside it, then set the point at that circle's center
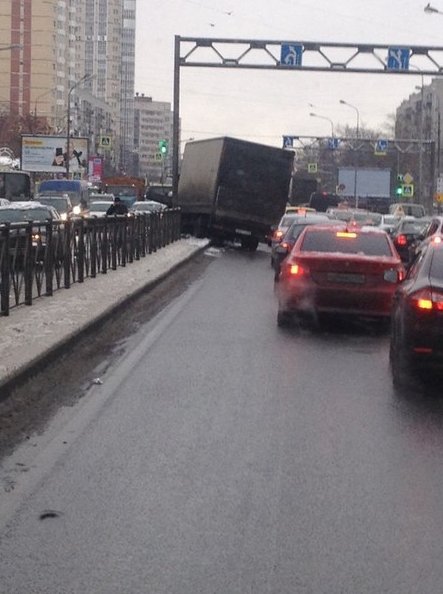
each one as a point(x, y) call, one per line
point(431, 10)
point(68, 119)
point(357, 131)
point(315, 115)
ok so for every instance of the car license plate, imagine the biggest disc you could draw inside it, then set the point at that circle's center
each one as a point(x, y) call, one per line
point(346, 277)
point(243, 232)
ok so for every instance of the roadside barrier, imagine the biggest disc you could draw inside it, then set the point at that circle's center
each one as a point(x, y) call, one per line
point(39, 258)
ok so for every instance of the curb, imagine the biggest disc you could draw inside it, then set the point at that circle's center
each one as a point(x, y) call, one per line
point(22, 374)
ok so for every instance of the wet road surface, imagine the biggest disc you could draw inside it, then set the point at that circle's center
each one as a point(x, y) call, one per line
point(222, 454)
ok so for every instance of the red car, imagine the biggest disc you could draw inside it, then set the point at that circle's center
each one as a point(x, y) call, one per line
point(331, 269)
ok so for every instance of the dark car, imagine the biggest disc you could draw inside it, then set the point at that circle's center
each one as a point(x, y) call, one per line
point(332, 269)
point(62, 204)
point(26, 212)
point(417, 316)
point(406, 233)
point(281, 249)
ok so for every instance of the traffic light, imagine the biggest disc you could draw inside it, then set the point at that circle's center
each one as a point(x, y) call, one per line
point(399, 191)
point(163, 147)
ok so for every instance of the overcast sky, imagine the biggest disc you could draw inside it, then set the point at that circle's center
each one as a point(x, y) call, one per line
point(264, 105)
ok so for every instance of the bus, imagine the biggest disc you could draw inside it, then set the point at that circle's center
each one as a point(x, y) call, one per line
point(15, 185)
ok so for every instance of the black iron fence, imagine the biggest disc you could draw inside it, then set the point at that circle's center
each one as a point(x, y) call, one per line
point(37, 258)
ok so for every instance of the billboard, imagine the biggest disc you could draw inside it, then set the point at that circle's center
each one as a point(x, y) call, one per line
point(95, 173)
point(49, 154)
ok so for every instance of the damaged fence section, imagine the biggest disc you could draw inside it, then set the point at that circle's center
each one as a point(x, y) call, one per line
point(38, 258)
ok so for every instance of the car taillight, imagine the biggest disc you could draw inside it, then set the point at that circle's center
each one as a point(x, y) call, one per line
point(346, 234)
point(278, 234)
point(401, 240)
point(427, 300)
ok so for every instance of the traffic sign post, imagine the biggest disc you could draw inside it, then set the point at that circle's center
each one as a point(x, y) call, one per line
point(381, 147)
point(408, 190)
point(291, 54)
point(398, 58)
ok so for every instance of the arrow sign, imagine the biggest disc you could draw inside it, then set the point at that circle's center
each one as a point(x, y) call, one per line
point(398, 58)
point(288, 141)
point(291, 54)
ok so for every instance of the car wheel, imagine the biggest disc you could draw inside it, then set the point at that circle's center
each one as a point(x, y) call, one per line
point(399, 367)
point(284, 319)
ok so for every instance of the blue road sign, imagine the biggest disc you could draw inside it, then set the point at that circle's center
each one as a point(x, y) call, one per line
point(333, 143)
point(381, 146)
point(291, 54)
point(398, 58)
point(288, 141)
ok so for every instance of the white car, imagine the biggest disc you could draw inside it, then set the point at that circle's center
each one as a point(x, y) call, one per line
point(147, 206)
point(99, 208)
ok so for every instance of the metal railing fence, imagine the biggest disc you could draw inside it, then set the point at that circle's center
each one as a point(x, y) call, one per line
point(39, 258)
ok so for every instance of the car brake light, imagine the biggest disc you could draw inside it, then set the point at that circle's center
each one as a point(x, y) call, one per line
point(346, 234)
point(401, 240)
point(437, 239)
point(296, 270)
point(278, 234)
point(427, 300)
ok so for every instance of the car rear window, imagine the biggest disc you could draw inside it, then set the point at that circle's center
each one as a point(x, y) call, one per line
point(369, 244)
point(414, 226)
point(17, 215)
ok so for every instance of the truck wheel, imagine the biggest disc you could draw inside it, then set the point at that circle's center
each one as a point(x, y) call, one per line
point(249, 243)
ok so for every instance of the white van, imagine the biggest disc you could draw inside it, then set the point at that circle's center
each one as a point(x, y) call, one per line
point(401, 209)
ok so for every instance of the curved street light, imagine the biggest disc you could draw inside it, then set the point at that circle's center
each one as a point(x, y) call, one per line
point(343, 102)
point(83, 79)
point(431, 10)
point(315, 115)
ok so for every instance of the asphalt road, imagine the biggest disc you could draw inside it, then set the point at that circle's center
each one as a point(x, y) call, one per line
point(224, 455)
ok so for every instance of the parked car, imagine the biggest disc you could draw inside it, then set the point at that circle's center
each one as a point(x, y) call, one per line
point(99, 208)
point(280, 250)
point(417, 316)
point(406, 233)
point(147, 206)
point(334, 269)
point(61, 203)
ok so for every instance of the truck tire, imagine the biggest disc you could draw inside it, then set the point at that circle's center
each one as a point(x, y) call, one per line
point(249, 243)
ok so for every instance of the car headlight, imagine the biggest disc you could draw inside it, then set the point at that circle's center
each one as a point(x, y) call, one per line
point(76, 210)
point(64, 216)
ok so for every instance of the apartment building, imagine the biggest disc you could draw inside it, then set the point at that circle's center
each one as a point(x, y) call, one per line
point(153, 123)
point(81, 51)
point(419, 118)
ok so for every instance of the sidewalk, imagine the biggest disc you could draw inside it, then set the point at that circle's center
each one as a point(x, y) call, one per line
point(32, 333)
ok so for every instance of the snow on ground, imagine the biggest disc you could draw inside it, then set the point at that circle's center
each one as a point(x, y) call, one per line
point(31, 331)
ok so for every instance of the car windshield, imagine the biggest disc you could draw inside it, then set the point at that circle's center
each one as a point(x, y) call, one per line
point(148, 206)
point(100, 206)
point(368, 218)
point(369, 244)
point(287, 220)
point(413, 226)
point(20, 215)
point(60, 204)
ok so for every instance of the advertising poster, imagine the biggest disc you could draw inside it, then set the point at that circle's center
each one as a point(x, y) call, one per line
point(95, 169)
point(49, 154)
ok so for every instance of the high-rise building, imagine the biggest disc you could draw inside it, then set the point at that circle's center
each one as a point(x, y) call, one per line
point(153, 124)
point(49, 46)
